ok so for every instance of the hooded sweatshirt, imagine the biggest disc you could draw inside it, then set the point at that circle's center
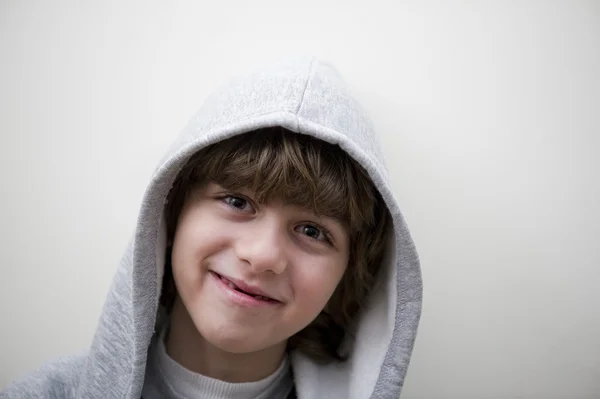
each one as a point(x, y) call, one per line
point(304, 96)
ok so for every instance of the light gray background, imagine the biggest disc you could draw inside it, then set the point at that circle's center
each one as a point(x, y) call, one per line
point(489, 112)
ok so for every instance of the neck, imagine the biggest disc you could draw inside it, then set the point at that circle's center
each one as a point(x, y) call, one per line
point(187, 346)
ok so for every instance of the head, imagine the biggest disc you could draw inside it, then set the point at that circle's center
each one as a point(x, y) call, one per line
point(282, 213)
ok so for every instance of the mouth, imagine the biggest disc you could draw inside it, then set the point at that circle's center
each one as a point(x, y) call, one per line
point(234, 287)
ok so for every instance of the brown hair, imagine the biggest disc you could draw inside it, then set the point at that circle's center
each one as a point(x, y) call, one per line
point(298, 169)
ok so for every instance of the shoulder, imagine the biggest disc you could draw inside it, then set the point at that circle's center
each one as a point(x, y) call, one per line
point(56, 379)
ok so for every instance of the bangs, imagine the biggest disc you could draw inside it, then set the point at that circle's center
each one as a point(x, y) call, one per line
point(275, 164)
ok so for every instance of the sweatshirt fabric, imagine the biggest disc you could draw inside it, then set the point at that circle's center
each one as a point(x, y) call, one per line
point(305, 96)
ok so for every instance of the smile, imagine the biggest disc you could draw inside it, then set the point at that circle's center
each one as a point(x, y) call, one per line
point(241, 296)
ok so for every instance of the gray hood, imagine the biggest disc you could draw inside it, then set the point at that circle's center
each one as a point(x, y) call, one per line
point(304, 96)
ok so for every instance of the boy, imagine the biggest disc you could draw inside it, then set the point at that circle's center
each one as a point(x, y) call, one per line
point(270, 259)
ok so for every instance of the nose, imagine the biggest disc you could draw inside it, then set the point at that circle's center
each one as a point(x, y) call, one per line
point(262, 246)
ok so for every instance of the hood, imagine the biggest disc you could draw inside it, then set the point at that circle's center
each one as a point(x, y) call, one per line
point(304, 96)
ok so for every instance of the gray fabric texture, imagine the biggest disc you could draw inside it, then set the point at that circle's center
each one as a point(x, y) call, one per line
point(305, 96)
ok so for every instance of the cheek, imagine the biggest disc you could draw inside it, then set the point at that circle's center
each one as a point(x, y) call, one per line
point(314, 284)
point(192, 245)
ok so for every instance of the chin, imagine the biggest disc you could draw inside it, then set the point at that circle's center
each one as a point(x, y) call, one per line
point(234, 342)
point(236, 346)
point(233, 337)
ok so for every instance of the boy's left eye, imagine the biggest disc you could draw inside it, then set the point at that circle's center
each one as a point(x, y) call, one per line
point(313, 232)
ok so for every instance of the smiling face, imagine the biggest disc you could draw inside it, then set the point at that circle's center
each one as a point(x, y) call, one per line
point(262, 230)
point(252, 274)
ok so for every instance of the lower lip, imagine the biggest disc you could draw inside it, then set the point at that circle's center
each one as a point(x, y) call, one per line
point(239, 297)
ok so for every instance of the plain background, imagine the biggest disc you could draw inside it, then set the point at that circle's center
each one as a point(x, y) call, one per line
point(489, 115)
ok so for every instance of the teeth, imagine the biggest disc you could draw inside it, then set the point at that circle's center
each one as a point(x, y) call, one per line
point(233, 286)
point(229, 283)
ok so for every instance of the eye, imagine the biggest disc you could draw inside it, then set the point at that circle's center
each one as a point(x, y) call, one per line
point(316, 233)
point(239, 203)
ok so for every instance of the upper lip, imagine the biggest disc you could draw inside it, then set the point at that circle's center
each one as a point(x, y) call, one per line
point(250, 289)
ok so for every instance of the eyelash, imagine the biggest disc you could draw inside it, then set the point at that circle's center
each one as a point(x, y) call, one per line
point(324, 231)
point(326, 234)
point(237, 196)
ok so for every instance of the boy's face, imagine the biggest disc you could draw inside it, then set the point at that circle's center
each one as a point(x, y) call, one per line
point(226, 243)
